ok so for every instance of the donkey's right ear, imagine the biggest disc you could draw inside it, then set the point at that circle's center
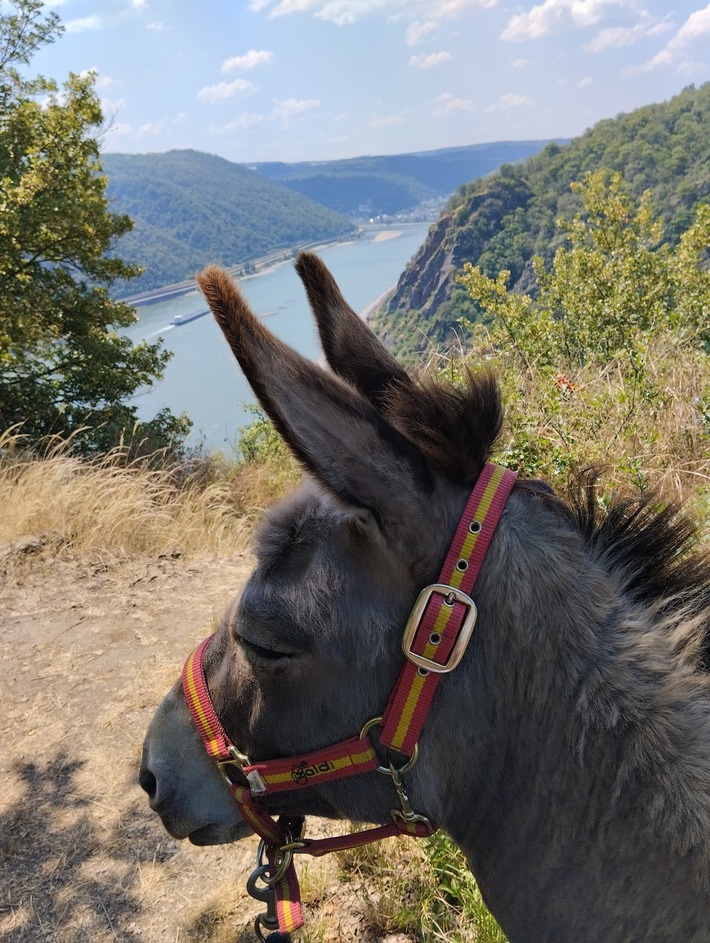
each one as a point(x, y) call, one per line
point(350, 347)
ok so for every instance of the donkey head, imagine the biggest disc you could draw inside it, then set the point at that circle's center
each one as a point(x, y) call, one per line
point(310, 650)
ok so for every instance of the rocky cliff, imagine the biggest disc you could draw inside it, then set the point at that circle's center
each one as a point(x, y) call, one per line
point(503, 220)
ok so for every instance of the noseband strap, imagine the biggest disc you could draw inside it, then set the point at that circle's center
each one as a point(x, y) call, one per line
point(435, 640)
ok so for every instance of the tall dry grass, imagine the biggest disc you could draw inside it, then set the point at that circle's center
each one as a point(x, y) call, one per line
point(116, 506)
point(651, 435)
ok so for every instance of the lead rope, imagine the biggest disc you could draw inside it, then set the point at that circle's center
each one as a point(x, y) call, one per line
point(435, 640)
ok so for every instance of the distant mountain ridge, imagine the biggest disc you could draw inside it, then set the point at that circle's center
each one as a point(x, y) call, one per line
point(391, 184)
point(501, 221)
point(191, 208)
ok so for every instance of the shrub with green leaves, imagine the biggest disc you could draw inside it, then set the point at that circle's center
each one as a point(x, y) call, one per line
point(607, 362)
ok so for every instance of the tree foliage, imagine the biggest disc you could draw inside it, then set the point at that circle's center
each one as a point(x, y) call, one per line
point(614, 342)
point(64, 365)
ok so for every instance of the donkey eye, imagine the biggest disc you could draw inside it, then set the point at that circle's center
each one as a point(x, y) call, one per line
point(261, 653)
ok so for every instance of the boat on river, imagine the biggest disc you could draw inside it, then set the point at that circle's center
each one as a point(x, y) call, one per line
point(180, 319)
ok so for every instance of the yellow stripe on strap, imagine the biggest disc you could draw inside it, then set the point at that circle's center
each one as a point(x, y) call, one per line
point(197, 705)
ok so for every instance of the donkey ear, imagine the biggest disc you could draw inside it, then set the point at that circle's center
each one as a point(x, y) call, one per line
point(332, 430)
point(350, 347)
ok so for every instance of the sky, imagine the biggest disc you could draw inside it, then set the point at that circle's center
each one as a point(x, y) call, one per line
point(292, 80)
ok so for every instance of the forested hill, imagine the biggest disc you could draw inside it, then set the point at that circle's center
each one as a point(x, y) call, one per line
point(190, 209)
point(395, 183)
point(501, 221)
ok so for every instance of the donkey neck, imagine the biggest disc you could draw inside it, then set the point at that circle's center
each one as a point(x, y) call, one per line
point(567, 709)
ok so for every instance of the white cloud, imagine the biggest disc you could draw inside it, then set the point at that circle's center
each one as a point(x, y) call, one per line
point(240, 122)
point(250, 60)
point(448, 104)
point(111, 107)
point(87, 22)
point(151, 129)
point(122, 129)
point(417, 31)
point(507, 101)
point(518, 63)
point(553, 15)
point(376, 121)
point(428, 62)
point(103, 81)
point(616, 37)
point(585, 82)
point(291, 107)
point(121, 13)
point(223, 91)
point(677, 51)
point(697, 26)
point(346, 12)
point(100, 81)
point(156, 25)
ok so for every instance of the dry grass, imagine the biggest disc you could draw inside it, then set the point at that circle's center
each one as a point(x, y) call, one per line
point(418, 890)
point(648, 436)
point(111, 505)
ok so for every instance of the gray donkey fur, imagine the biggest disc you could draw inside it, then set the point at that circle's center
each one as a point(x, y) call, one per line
point(568, 755)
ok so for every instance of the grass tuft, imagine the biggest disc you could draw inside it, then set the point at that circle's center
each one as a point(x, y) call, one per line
point(111, 504)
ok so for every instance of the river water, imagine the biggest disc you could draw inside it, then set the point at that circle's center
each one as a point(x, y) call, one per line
point(204, 380)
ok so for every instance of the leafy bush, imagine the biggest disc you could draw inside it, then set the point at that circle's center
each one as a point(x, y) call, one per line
point(608, 362)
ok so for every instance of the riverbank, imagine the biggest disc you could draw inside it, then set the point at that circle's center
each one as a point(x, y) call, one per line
point(242, 271)
point(202, 380)
point(267, 263)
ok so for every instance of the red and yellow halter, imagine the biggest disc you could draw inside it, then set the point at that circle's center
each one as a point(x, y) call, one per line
point(435, 639)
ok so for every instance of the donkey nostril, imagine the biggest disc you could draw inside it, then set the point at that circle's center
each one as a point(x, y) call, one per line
point(148, 782)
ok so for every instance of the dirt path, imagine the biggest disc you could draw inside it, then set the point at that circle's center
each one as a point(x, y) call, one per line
point(88, 651)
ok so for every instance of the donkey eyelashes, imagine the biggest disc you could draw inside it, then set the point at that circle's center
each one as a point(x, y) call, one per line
point(257, 648)
point(265, 654)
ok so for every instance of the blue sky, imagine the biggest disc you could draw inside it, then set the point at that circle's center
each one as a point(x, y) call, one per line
point(322, 79)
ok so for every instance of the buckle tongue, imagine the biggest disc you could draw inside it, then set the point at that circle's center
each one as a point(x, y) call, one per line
point(451, 595)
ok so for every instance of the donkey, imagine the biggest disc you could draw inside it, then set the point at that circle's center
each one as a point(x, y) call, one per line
point(568, 755)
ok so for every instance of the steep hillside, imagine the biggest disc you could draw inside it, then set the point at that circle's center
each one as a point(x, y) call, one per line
point(191, 208)
point(393, 184)
point(502, 221)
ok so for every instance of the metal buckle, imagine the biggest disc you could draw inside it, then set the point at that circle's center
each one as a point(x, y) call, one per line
point(451, 595)
point(252, 779)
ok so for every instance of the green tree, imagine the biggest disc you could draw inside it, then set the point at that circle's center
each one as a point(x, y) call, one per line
point(64, 366)
point(608, 360)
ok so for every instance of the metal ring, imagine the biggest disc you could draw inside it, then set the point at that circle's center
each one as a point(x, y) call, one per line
point(281, 868)
point(385, 770)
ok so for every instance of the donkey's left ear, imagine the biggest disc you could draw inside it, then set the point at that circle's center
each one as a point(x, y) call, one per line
point(350, 347)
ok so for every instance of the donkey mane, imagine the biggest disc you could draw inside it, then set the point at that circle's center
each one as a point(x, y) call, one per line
point(654, 554)
point(454, 427)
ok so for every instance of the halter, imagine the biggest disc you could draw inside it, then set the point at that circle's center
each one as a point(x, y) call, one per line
point(435, 638)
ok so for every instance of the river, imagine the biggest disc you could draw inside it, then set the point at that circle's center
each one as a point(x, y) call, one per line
point(204, 380)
